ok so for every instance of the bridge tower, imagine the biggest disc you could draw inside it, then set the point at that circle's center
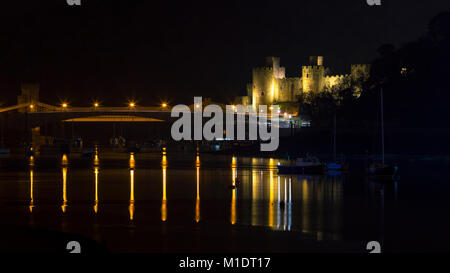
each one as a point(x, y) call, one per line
point(30, 94)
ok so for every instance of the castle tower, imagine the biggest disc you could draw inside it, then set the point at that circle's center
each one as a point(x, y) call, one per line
point(313, 75)
point(265, 82)
point(278, 71)
point(316, 60)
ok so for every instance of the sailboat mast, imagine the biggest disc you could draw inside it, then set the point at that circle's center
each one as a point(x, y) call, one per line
point(334, 138)
point(382, 126)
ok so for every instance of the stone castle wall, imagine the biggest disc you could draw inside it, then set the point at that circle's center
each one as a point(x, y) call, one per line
point(270, 85)
point(263, 84)
point(313, 78)
point(289, 89)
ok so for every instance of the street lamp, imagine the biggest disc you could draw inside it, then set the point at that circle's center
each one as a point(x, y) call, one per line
point(64, 105)
point(132, 104)
point(96, 104)
point(164, 105)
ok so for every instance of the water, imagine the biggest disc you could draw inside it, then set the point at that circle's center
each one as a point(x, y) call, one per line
point(143, 202)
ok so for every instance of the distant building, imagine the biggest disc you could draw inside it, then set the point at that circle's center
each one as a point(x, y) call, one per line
point(270, 86)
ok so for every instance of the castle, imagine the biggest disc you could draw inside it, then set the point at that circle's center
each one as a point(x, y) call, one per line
point(270, 86)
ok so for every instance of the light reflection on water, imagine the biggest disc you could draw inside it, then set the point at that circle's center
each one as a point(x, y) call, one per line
point(135, 194)
point(164, 188)
point(312, 204)
point(64, 190)
point(256, 195)
point(197, 199)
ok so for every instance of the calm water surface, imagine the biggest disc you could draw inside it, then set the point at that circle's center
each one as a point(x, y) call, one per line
point(142, 191)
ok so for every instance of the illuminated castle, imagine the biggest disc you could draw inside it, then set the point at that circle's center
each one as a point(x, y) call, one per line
point(270, 86)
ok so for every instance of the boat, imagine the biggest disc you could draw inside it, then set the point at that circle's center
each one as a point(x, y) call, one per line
point(307, 165)
point(334, 172)
point(336, 166)
point(381, 171)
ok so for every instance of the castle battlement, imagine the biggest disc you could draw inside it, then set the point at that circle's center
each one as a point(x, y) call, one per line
point(337, 76)
point(263, 69)
point(312, 67)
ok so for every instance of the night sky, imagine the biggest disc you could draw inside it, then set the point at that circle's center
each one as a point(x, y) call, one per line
point(173, 50)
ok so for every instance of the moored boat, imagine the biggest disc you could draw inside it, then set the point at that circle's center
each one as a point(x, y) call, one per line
point(307, 165)
point(379, 170)
point(383, 172)
point(336, 164)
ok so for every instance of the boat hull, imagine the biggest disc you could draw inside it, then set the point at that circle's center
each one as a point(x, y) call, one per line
point(384, 173)
point(334, 166)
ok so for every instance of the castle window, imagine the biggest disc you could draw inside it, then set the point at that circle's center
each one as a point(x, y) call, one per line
point(262, 93)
